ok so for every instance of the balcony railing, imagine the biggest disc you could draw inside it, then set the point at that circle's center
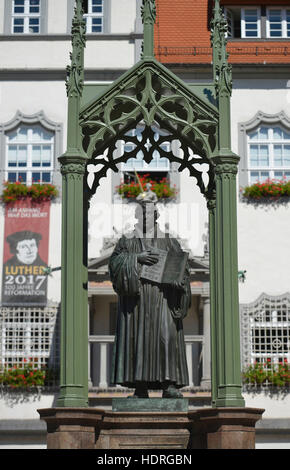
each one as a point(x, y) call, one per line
point(233, 50)
point(100, 356)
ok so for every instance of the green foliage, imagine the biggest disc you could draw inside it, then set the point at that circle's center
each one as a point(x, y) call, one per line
point(162, 189)
point(269, 189)
point(277, 375)
point(26, 377)
point(37, 192)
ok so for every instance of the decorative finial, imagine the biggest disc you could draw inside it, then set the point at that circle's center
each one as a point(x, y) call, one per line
point(148, 12)
point(75, 71)
point(222, 69)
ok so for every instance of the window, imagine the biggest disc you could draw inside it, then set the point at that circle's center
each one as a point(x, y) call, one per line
point(268, 154)
point(265, 328)
point(250, 23)
point(258, 22)
point(94, 15)
point(29, 335)
point(26, 18)
point(29, 154)
point(278, 23)
point(264, 148)
point(243, 22)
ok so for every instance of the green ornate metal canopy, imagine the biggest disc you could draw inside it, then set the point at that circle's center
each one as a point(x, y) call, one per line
point(151, 95)
point(195, 115)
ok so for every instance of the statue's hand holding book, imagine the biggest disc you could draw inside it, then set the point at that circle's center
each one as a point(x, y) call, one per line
point(169, 269)
point(148, 257)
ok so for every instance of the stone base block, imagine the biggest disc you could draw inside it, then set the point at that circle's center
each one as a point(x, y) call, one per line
point(208, 428)
point(224, 428)
point(144, 430)
point(71, 428)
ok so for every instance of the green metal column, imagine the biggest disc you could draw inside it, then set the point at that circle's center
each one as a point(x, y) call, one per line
point(226, 297)
point(74, 330)
point(211, 205)
point(227, 330)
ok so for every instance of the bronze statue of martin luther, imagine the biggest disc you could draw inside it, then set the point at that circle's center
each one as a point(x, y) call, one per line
point(150, 274)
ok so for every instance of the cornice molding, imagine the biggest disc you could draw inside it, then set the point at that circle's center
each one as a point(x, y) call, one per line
point(265, 118)
point(39, 117)
point(67, 37)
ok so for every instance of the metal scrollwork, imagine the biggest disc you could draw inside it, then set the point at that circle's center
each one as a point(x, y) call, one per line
point(147, 143)
point(152, 99)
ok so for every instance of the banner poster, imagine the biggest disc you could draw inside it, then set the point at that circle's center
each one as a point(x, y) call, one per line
point(26, 238)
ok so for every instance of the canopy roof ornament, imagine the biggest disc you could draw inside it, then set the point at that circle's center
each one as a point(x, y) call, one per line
point(148, 12)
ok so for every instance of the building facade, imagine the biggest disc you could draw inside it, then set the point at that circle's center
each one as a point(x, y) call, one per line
point(34, 47)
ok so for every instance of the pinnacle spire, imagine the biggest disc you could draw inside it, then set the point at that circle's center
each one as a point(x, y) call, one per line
point(219, 28)
point(148, 12)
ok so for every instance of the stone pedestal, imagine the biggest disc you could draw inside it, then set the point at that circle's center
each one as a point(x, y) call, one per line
point(144, 430)
point(145, 423)
point(224, 428)
point(71, 428)
point(209, 428)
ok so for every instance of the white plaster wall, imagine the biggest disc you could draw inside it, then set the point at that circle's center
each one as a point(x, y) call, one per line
point(1, 16)
point(100, 219)
point(57, 17)
point(20, 406)
point(263, 231)
point(187, 219)
point(251, 95)
point(34, 54)
point(42, 54)
point(275, 406)
point(123, 15)
point(196, 218)
point(32, 97)
point(113, 54)
point(264, 250)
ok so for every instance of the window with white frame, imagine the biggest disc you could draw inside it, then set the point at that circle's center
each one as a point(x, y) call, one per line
point(268, 153)
point(250, 23)
point(243, 22)
point(26, 16)
point(29, 335)
point(265, 330)
point(94, 15)
point(278, 22)
point(29, 154)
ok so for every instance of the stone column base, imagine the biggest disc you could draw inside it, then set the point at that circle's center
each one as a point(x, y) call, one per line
point(224, 428)
point(71, 428)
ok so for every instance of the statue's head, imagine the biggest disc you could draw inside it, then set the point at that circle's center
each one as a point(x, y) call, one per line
point(146, 214)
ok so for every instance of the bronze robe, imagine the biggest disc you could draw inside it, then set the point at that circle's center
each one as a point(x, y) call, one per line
point(149, 344)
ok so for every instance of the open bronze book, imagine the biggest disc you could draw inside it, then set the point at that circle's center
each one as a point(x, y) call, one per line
point(169, 268)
